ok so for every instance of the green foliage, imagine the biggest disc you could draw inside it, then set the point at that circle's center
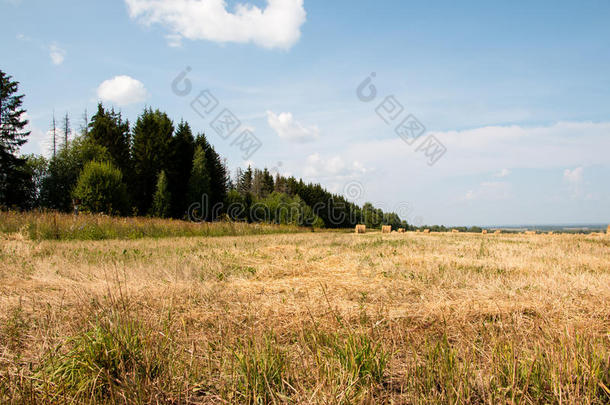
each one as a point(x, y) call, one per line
point(238, 206)
point(64, 170)
point(37, 167)
point(13, 134)
point(151, 140)
point(193, 173)
point(262, 368)
point(108, 130)
point(111, 355)
point(218, 178)
point(179, 166)
point(100, 189)
point(199, 184)
point(363, 359)
point(162, 199)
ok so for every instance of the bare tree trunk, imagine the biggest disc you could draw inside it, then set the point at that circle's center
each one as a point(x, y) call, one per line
point(54, 135)
point(66, 129)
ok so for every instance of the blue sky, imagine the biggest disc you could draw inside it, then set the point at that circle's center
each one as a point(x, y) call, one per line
point(517, 93)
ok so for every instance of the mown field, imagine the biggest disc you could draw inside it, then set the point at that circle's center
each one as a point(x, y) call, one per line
point(306, 318)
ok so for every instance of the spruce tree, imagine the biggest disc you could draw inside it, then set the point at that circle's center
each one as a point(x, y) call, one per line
point(13, 135)
point(162, 199)
point(244, 183)
point(217, 173)
point(108, 129)
point(199, 184)
point(179, 166)
point(151, 138)
point(267, 183)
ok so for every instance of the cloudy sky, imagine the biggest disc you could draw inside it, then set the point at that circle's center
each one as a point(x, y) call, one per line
point(454, 113)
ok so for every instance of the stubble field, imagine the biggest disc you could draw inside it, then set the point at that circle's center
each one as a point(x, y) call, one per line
point(307, 318)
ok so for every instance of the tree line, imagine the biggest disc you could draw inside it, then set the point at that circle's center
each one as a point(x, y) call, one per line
point(155, 167)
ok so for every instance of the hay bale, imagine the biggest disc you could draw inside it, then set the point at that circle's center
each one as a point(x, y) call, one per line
point(551, 233)
point(530, 232)
point(386, 229)
point(401, 230)
point(455, 231)
point(484, 231)
point(360, 228)
point(426, 230)
point(497, 232)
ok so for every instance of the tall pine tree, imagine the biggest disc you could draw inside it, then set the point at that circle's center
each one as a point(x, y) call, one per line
point(13, 134)
point(108, 129)
point(218, 177)
point(151, 139)
point(180, 163)
point(199, 186)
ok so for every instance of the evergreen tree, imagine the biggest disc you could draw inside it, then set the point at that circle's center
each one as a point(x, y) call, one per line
point(162, 199)
point(108, 129)
point(280, 184)
point(180, 164)
point(199, 185)
point(13, 135)
point(151, 139)
point(244, 182)
point(267, 183)
point(218, 176)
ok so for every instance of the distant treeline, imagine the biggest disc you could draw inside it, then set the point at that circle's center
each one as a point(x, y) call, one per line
point(158, 169)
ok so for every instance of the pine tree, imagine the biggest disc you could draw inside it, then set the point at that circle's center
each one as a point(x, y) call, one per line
point(151, 138)
point(267, 183)
point(244, 182)
point(280, 184)
point(199, 184)
point(108, 129)
point(13, 135)
point(180, 164)
point(218, 176)
point(162, 199)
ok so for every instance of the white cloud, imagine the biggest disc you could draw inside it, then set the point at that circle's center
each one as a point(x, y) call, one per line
point(278, 25)
point(490, 191)
point(503, 173)
point(334, 167)
point(57, 54)
point(492, 149)
point(289, 129)
point(573, 176)
point(122, 90)
point(174, 40)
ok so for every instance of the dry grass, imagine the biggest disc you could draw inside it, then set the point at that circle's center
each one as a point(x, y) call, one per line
point(307, 318)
